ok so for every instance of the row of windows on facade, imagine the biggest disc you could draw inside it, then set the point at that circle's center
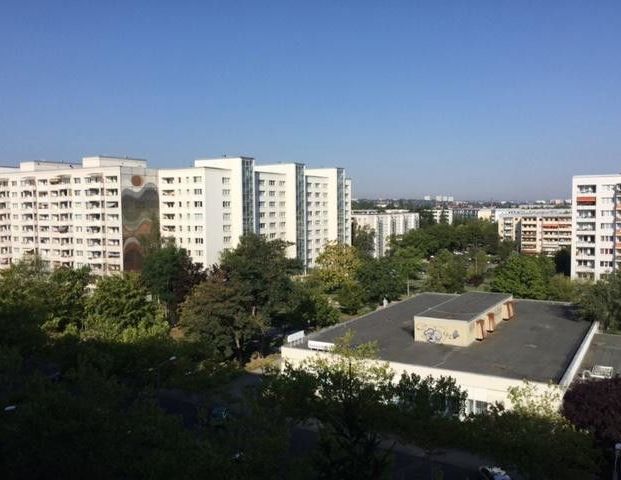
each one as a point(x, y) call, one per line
point(271, 183)
point(196, 179)
point(593, 188)
point(65, 181)
point(91, 192)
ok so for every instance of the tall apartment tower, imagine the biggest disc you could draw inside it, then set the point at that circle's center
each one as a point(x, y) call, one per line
point(96, 214)
point(385, 225)
point(206, 208)
point(596, 219)
point(328, 210)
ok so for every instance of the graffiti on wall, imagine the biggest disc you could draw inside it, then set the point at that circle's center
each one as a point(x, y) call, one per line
point(434, 334)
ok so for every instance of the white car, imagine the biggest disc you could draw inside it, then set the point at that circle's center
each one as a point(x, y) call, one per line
point(493, 473)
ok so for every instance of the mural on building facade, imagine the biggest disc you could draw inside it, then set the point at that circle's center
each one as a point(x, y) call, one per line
point(140, 210)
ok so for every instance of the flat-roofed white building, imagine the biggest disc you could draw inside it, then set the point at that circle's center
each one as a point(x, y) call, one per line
point(94, 214)
point(596, 215)
point(487, 342)
point(385, 225)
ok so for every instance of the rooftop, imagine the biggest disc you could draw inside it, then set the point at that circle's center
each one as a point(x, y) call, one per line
point(537, 345)
point(465, 307)
point(605, 350)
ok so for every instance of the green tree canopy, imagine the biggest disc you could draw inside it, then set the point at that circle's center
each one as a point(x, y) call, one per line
point(337, 265)
point(524, 276)
point(170, 274)
point(601, 302)
point(262, 271)
point(121, 309)
point(363, 240)
point(219, 313)
point(446, 273)
point(381, 278)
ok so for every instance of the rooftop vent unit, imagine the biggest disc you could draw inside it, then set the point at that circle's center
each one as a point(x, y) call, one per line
point(599, 372)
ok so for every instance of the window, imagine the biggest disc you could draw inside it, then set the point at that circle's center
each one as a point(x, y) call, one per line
point(198, 179)
point(226, 228)
point(226, 180)
point(226, 192)
point(226, 239)
point(226, 204)
point(76, 180)
point(272, 183)
point(198, 241)
point(226, 216)
point(198, 204)
point(198, 191)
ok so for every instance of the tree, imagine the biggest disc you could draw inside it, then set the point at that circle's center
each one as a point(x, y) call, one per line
point(121, 309)
point(523, 276)
point(356, 401)
point(262, 271)
point(601, 302)
point(363, 239)
point(69, 291)
point(170, 274)
point(350, 297)
point(337, 265)
point(25, 303)
point(219, 313)
point(562, 288)
point(594, 406)
point(310, 307)
point(505, 249)
point(562, 261)
point(381, 278)
point(478, 263)
point(446, 273)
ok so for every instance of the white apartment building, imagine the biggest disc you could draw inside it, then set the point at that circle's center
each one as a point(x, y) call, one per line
point(385, 225)
point(537, 231)
point(72, 215)
point(596, 214)
point(206, 208)
point(442, 215)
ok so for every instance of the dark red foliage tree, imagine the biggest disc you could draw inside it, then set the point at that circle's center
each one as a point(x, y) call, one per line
point(595, 405)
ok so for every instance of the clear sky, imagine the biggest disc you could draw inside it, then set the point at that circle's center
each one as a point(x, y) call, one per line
point(480, 99)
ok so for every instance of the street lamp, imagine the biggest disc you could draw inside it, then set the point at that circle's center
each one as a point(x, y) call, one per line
point(157, 371)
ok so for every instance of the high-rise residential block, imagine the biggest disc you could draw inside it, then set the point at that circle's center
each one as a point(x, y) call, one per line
point(596, 213)
point(385, 225)
point(537, 231)
point(206, 208)
point(94, 214)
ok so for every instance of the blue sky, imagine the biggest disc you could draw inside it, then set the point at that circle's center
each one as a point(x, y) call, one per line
point(497, 99)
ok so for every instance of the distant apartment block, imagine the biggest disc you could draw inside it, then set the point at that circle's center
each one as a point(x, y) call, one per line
point(207, 207)
point(442, 215)
point(596, 213)
point(385, 225)
point(537, 231)
point(92, 214)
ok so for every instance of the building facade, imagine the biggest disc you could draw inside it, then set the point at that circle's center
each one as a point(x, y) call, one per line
point(207, 207)
point(537, 231)
point(442, 215)
point(385, 225)
point(94, 214)
point(596, 216)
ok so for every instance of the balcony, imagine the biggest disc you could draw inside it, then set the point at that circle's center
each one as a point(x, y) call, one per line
point(586, 200)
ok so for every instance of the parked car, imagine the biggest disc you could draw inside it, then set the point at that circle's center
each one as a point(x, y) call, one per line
point(493, 473)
